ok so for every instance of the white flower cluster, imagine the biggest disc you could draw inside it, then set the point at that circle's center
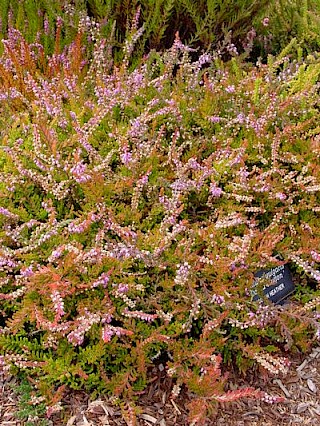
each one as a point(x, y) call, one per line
point(273, 364)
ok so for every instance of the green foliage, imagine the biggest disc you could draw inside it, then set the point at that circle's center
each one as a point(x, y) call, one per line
point(32, 407)
point(292, 19)
point(38, 20)
point(203, 24)
point(28, 16)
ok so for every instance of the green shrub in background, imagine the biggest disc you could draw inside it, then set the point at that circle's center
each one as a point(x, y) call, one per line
point(258, 27)
point(203, 24)
point(32, 17)
point(37, 20)
point(291, 19)
point(135, 208)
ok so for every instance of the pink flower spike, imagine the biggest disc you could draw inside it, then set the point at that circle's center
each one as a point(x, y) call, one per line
point(215, 191)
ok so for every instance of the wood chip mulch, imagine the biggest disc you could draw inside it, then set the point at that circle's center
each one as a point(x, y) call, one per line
point(301, 388)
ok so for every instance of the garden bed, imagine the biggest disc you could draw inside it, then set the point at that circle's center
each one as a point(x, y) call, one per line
point(301, 388)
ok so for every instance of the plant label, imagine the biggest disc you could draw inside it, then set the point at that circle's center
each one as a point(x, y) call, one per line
point(275, 283)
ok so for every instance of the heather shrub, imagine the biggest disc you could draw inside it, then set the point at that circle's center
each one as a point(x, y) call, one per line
point(203, 24)
point(252, 28)
point(35, 18)
point(53, 25)
point(289, 21)
point(204, 21)
point(255, 28)
point(136, 206)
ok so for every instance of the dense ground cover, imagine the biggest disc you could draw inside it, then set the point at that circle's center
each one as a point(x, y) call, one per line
point(136, 206)
point(253, 27)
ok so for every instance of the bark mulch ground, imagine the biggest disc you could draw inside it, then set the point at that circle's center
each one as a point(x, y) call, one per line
point(301, 388)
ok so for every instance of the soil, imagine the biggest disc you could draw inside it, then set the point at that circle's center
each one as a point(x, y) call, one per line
point(300, 388)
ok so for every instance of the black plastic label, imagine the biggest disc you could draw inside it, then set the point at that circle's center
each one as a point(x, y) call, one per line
point(275, 283)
